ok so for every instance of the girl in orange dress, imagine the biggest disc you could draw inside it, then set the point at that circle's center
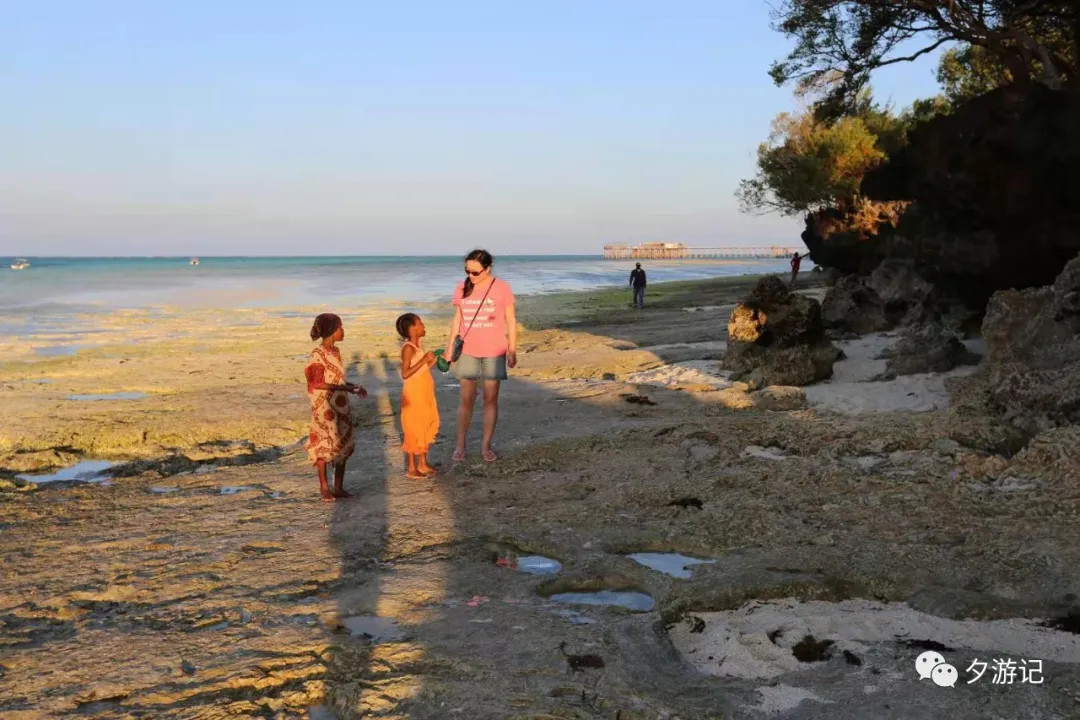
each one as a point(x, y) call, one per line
point(331, 440)
point(419, 411)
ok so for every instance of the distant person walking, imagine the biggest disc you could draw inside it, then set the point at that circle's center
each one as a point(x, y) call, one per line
point(637, 282)
point(483, 344)
point(795, 261)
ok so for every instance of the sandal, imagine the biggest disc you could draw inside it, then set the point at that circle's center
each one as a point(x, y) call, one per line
point(490, 456)
point(458, 456)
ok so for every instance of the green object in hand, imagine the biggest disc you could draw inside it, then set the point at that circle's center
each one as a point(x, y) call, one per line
point(442, 365)
point(438, 353)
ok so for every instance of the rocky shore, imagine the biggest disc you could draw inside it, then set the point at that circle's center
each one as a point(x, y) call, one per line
point(827, 535)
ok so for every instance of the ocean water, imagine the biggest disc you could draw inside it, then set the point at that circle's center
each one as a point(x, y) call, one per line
point(44, 297)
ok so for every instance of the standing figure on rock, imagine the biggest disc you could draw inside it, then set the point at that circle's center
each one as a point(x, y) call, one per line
point(795, 262)
point(483, 344)
point(419, 409)
point(331, 439)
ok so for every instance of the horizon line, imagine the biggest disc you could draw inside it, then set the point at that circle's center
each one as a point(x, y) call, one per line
point(189, 256)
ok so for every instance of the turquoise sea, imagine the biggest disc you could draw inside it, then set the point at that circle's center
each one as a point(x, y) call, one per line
point(54, 288)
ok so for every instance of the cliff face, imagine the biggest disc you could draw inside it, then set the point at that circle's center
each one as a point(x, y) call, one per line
point(995, 200)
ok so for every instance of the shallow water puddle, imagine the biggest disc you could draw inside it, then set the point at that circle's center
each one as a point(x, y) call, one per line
point(636, 601)
point(538, 565)
point(86, 471)
point(61, 350)
point(375, 629)
point(575, 618)
point(532, 564)
point(233, 489)
point(94, 397)
point(163, 490)
point(673, 564)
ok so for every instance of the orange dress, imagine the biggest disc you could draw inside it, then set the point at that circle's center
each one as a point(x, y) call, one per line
point(419, 410)
point(331, 438)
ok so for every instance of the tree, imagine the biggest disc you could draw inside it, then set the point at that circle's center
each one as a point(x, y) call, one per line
point(807, 164)
point(969, 71)
point(849, 39)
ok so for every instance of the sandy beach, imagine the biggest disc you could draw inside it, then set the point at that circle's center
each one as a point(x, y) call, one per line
point(205, 579)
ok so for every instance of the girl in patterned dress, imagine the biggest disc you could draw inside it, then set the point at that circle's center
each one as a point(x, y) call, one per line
point(331, 440)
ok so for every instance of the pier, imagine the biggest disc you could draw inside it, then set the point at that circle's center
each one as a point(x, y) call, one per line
point(679, 251)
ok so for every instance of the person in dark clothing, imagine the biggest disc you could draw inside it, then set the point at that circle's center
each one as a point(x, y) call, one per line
point(795, 261)
point(637, 282)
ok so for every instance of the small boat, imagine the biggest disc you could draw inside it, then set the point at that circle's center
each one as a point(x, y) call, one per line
point(20, 264)
point(194, 261)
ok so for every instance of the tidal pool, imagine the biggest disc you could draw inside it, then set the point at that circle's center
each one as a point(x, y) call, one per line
point(636, 601)
point(85, 471)
point(94, 397)
point(673, 564)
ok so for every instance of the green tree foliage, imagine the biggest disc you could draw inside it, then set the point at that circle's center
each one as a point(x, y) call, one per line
point(969, 71)
point(849, 39)
point(807, 164)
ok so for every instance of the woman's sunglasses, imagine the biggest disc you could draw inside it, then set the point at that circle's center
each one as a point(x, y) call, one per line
point(474, 273)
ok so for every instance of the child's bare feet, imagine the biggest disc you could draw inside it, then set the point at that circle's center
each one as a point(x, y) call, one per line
point(327, 497)
point(416, 475)
point(341, 493)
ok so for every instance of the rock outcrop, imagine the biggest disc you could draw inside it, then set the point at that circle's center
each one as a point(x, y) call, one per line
point(929, 348)
point(978, 201)
point(890, 294)
point(776, 337)
point(1032, 367)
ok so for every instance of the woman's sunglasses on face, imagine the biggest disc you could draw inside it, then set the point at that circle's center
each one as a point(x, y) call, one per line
point(474, 273)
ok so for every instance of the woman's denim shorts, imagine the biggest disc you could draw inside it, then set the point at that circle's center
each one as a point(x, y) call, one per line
point(473, 368)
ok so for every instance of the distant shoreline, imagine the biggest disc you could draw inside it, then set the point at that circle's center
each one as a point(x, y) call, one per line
point(58, 290)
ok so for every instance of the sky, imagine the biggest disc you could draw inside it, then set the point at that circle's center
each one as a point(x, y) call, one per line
point(362, 128)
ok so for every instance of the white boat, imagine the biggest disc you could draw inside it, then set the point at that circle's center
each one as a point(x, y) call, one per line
point(194, 261)
point(20, 264)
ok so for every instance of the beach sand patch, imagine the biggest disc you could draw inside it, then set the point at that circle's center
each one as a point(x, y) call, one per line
point(852, 389)
point(691, 372)
point(758, 639)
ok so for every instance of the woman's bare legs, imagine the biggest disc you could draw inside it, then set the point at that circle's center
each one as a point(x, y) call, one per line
point(464, 415)
point(491, 413)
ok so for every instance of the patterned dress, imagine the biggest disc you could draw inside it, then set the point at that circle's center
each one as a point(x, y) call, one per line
point(331, 437)
point(419, 411)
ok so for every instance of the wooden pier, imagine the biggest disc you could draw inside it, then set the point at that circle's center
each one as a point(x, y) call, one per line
point(679, 251)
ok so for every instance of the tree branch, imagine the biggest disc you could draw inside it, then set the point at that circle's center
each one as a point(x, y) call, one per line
point(913, 56)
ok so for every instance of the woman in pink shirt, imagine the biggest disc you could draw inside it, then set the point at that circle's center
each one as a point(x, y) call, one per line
point(485, 319)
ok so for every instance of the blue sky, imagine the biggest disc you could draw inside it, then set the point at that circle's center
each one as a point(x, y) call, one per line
point(243, 127)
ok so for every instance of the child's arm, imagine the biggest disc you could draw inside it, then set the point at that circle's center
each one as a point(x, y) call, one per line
point(407, 367)
point(315, 376)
